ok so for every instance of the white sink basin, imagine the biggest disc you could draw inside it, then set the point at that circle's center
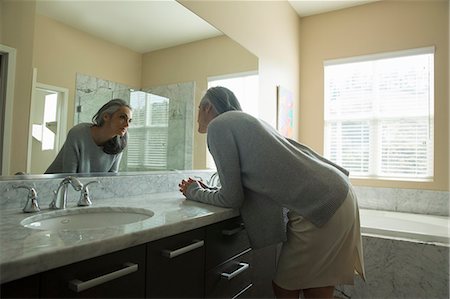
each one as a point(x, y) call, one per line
point(86, 218)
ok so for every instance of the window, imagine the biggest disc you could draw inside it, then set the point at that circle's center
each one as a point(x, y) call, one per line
point(379, 114)
point(147, 143)
point(245, 88)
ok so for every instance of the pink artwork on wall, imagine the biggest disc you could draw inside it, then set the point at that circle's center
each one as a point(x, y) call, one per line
point(285, 112)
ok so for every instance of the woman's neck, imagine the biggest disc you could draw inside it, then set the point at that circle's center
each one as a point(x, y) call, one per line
point(100, 135)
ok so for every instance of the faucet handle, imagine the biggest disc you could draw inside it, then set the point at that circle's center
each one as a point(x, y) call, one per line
point(85, 199)
point(32, 204)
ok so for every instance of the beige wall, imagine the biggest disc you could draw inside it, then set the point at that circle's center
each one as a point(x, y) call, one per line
point(1, 20)
point(17, 21)
point(268, 29)
point(377, 27)
point(61, 51)
point(196, 62)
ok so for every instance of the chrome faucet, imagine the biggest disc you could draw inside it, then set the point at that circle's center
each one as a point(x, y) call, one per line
point(60, 199)
point(85, 198)
point(32, 204)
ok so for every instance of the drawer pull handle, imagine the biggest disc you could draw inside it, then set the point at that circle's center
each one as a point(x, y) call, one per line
point(242, 292)
point(79, 286)
point(233, 231)
point(174, 253)
point(242, 268)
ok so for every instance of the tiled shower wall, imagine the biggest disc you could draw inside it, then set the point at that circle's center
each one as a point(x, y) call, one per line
point(91, 93)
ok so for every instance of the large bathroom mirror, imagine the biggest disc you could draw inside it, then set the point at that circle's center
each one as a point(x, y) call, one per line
point(157, 55)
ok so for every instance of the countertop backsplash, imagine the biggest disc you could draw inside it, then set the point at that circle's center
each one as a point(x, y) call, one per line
point(390, 199)
point(108, 187)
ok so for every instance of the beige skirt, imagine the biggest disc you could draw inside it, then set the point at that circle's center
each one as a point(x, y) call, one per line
point(317, 257)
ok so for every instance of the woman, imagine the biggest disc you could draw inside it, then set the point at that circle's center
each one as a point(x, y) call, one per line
point(261, 173)
point(96, 147)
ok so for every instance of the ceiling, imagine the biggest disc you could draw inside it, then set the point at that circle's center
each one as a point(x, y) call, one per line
point(306, 8)
point(142, 26)
point(148, 25)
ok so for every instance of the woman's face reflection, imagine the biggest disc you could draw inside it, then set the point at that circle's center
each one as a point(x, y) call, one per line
point(119, 121)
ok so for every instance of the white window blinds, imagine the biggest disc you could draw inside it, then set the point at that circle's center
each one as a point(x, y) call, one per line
point(379, 114)
point(148, 133)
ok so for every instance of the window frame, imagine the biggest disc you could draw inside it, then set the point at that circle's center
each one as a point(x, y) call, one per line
point(374, 164)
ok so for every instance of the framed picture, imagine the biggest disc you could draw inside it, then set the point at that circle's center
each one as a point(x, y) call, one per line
point(285, 112)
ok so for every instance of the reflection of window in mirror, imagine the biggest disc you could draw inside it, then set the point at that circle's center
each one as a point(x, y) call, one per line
point(245, 87)
point(45, 132)
point(149, 130)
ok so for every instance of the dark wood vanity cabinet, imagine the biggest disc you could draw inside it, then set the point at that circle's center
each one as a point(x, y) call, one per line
point(175, 266)
point(233, 269)
point(119, 274)
point(215, 261)
point(228, 260)
point(27, 287)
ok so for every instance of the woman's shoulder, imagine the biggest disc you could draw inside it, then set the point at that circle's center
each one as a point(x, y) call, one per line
point(79, 129)
point(233, 117)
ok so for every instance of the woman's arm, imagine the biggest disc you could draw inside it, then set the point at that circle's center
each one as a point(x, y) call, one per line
point(224, 150)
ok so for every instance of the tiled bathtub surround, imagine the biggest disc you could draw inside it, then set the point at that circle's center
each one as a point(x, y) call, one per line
point(404, 200)
point(401, 269)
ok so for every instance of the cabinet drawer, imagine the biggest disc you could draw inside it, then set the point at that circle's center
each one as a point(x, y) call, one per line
point(225, 240)
point(231, 279)
point(27, 287)
point(175, 266)
point(119, 274)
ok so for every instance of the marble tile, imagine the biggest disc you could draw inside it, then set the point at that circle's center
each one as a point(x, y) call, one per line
point(132, 184)
point(27, 251)
point(181, 117)
point(401, 269)
point(404, 200)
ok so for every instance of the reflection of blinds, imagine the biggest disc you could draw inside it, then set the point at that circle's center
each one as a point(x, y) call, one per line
point(147, 143)
point(379, 114)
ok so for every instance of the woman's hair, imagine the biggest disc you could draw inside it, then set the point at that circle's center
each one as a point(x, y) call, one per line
point(116, 144)
point(222, 99)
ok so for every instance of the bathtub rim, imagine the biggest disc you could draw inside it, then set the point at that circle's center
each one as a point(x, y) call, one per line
point(404, 234)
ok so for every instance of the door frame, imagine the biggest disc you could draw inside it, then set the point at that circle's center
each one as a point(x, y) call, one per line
point(63, 95)
point(9, 99)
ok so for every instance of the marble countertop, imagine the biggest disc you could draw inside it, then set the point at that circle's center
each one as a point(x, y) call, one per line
point(26, 251)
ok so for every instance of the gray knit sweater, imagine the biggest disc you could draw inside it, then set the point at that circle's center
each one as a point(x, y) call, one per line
point(262, 172)
point(80, 154)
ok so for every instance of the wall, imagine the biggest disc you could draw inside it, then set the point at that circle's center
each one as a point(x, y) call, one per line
point(17, 21)
point(61, 51)
point(196, 62)
point(367, 29)
point(271, 31)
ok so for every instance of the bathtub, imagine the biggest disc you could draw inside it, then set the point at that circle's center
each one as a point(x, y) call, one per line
point(405, 226)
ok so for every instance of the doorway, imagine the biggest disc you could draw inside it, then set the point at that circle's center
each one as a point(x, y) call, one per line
point(48, 120)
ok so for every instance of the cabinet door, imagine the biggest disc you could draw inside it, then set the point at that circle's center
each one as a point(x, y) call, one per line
point(231, 279)
point(27, 287)
point(225, 240)
point(175, 266)
point(119, 274)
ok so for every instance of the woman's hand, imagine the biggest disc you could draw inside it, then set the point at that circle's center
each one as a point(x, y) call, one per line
point(184, 185)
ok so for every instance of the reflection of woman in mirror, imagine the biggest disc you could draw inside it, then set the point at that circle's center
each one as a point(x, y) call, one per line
point(96, 147)
point(262, 173)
